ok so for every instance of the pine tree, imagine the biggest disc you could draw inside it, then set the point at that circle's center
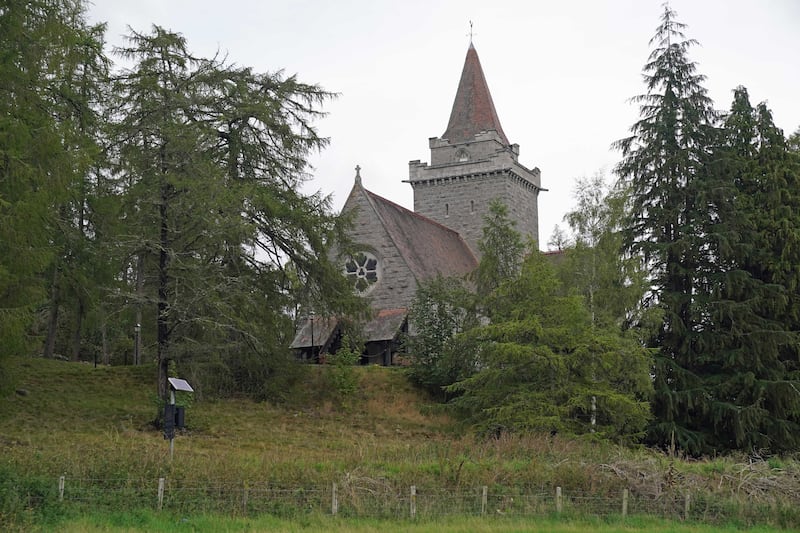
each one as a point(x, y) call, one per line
point(669, 220)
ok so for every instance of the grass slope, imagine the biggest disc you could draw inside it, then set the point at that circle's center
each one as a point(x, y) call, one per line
point(59, 418)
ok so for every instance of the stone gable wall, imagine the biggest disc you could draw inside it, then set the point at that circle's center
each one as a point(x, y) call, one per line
point(396, 284)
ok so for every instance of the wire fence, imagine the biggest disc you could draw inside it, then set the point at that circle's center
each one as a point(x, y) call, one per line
point(379, 499)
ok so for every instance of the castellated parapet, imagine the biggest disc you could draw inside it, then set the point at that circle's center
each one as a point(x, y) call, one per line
point(457, 188)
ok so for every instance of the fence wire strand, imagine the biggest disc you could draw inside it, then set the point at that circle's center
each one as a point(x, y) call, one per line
point(359, 499)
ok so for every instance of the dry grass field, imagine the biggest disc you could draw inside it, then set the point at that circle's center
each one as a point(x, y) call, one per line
point(92, 426)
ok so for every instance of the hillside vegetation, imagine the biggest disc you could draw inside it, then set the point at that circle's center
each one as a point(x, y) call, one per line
point(85, 423)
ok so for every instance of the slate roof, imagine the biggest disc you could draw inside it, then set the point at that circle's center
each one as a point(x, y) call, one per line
point(385, 325)
point(473, 109)
point(320, 328)
point(429, 248)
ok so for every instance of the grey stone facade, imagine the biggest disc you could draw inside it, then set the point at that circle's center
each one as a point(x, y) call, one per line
point(458, 186)
point(396, 284)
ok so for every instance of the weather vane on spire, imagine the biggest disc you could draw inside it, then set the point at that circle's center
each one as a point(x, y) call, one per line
point(470, 32)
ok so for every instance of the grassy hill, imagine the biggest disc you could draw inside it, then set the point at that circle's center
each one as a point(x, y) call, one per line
point(92, 425)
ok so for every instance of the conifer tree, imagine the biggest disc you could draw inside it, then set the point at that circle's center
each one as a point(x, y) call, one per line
point(663, 168)
point(211, 157)
point(501, 249)
point(42, 149)
point(749, 342)
point(543, 366)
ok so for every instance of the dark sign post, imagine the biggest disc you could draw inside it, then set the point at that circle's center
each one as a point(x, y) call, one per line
point(174, 416)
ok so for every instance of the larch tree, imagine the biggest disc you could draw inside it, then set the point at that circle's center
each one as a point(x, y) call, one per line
point(210, 157)
point(43, 149)
point(76, 282)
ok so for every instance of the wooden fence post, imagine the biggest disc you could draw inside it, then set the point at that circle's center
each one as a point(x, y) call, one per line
point(484, 499)
point(160, 493)
point(687, 506)
point(61, 482)
point(624, 503)
point(413, 501)
point(558, 500)
point(245, 492)
point(334, 501)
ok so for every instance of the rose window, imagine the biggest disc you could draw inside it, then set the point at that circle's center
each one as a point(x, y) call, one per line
point(362, 270)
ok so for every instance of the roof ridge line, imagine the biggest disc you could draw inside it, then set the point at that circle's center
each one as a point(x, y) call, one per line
point(413, 213)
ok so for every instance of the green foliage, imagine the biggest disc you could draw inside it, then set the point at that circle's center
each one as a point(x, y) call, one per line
point(542, 363)
point(664, 170)
point(343, 375)
point(537, 362)
point(749, 347)
point(712, 214)
point(211, 157)
point(27, 501)
point(611, 282)
point(501, 249)
point(442, 308)
point(42, 149)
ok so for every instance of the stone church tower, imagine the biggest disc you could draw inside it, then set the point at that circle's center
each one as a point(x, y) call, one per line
point(473, 163)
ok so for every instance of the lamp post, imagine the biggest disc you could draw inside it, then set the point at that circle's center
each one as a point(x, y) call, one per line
point(136, 330)
point(311, 319)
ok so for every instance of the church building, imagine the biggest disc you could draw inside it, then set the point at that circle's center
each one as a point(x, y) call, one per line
point(471, 164)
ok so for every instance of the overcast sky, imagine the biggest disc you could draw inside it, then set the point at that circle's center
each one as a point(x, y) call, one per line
point(560, 72)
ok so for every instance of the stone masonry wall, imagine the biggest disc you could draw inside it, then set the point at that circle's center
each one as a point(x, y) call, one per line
point(461, 203)
point(396, 284)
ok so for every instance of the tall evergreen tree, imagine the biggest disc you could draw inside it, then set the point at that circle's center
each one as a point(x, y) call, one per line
point(749, 399)
point(75, 280)
point(42, 150)
point(670, 216)
point(211, 157)
point(750, 343)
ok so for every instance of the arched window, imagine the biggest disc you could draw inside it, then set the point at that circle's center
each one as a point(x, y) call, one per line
point(447, 210)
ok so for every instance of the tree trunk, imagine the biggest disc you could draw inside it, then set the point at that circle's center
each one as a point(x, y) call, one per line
point(163, 292)
point(52, 319)
point(76, 336)
point(137, 349)
point(104, 341)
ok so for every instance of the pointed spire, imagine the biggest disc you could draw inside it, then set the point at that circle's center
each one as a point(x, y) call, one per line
point(473, 109)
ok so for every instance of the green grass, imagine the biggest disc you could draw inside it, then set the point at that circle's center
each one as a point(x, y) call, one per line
point(149, 521)
point(92, 425)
